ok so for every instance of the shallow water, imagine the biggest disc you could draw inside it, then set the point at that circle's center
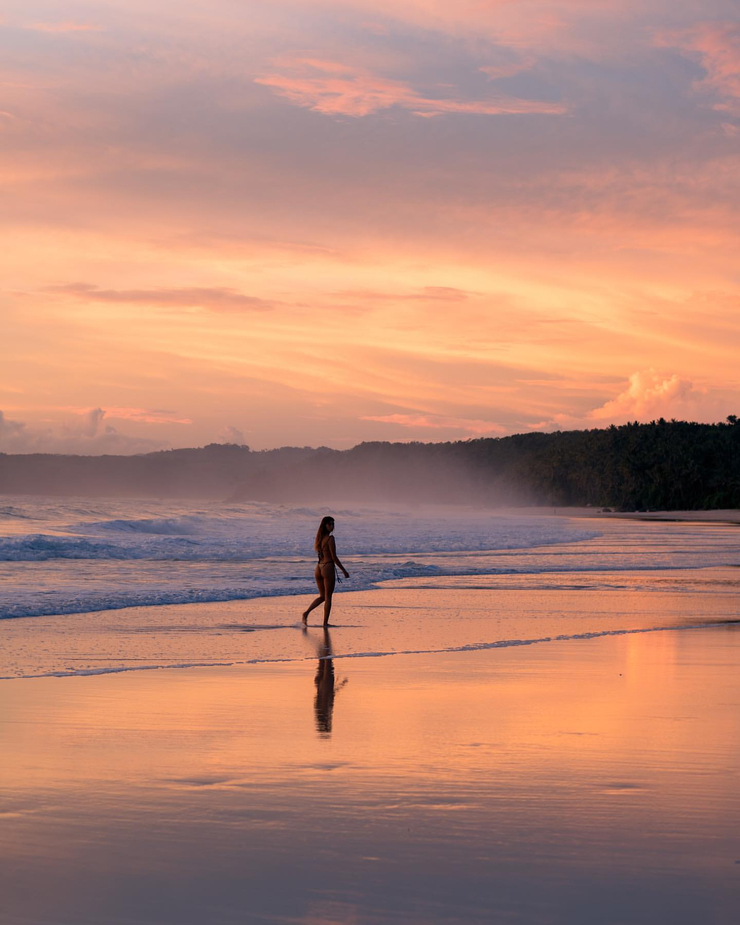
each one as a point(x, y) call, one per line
point(439, 615)
point(569, 783)
point(81, 556)
point(562, 748)
point(65, 556)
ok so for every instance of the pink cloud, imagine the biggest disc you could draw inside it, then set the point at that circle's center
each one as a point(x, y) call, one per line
point(507, 68)
point(333, 88)
point(438, 422)
point(716, 45)
point(517, 23)
point(64, 27)
point(376, 28)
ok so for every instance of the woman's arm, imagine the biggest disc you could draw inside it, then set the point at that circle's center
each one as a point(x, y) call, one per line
point(335, 557)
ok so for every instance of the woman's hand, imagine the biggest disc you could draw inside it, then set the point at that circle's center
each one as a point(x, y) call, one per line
point(346, 573)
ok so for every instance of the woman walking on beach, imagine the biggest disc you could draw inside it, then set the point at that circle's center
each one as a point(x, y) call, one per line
point(328, 563)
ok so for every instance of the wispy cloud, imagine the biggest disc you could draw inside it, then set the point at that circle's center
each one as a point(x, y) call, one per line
point(716, 46)
point(438, 422)
point(333, 88)
point(212, 298)
point(143, 415)
point(64, 27)
point(508, 68)
point(432, 272)
point(425, 294)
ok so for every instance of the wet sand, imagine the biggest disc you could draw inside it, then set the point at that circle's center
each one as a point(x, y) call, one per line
point(717, 516)
point(572, 781)
point(722, 516)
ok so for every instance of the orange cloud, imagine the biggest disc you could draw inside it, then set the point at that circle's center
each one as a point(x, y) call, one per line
point(143, 415)
point(333, 88)
point(651, 395)
point(438, 422)
point(514, 269)
point(213, 298)
point(426, 294)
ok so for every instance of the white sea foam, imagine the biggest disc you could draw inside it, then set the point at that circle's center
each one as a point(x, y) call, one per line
point(242, 535)
point(73, 556)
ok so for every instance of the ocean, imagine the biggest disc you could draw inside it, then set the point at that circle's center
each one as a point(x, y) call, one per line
point(67, 566)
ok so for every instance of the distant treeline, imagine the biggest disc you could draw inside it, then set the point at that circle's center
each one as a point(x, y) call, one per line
point(664, 465)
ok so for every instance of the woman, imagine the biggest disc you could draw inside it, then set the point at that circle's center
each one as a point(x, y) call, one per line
point(325, 573)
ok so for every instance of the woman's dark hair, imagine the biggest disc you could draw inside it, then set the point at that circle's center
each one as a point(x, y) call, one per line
point(322, 531)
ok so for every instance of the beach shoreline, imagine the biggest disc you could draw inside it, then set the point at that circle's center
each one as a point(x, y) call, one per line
point(718, 516)
point(423, 615)
point(711, 516)
point(553, 742)
point(550, 784)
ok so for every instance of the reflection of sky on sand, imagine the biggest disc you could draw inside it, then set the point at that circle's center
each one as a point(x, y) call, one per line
point(412, 616)
point(575, 782)
point(326, 683)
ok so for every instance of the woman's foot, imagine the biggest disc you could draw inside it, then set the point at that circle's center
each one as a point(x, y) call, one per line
point(304, 618)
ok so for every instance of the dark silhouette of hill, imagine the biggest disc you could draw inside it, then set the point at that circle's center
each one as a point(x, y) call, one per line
point(213, 471)
point(664, 465)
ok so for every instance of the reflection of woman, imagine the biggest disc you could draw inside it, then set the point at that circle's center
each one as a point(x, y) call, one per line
point(325, 573)
point(324, 702)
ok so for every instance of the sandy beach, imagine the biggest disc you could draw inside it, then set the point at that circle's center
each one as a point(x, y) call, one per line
point(566, 780)
point(716, 517)
point(719, 516)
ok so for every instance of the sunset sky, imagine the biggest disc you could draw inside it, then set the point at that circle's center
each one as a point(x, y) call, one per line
point(327, 222)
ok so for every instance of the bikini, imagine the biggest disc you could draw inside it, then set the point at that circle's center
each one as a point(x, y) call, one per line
point(323, 563)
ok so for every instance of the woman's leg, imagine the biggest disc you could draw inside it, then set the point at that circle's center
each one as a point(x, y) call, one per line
point(320, 599)
point(329, 579)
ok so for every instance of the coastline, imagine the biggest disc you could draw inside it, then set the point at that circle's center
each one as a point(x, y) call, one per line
point(719, 516)
point(433, 615)
point(727, 516)
point(556, 748)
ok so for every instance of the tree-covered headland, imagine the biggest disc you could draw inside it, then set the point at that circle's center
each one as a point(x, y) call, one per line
point(663, 465)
